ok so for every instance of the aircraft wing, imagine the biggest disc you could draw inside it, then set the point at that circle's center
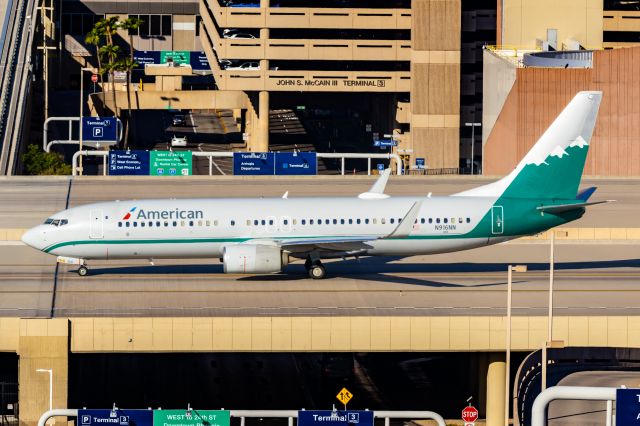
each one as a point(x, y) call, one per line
point(338, 244)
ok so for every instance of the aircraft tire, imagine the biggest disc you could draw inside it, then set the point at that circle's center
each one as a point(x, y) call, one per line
point(317, 272)
point(83, 271)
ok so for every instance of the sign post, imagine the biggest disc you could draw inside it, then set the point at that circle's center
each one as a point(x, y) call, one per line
point(469, 415)
point(344, 396)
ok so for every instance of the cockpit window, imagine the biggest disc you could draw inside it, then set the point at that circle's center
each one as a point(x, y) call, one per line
point(63, 222)
point(48, 221)
point(55, 222)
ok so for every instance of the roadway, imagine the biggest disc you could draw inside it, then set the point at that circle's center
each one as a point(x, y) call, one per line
point(593, 278)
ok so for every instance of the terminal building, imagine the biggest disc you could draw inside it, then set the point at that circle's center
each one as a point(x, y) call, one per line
point(344, 73)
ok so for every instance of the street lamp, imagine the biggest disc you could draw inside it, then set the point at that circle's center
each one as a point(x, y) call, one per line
point(511, 269)
point(82, 70)
point(473, 139)
point(50, 371)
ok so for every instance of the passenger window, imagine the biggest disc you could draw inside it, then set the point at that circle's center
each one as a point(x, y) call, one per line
point(175, 223)
point(208, 223)
point(233, 223)
point(263, 222)
point(335, 221)
point(341, 221)
point(383, 221)
point(255, 222)
point(468, 220)
point(270, 221)
point(158, 224)
point(422, 220)
point(215, 222)
point(150, 224)
point(127, 224)
point(445, 220)
point(310, 221)
point(166, 224)
point(142, 224)
point(392, 220)
point(453, 220)
point(286, 222)
point(119, 224)
point(430, 220)
point(199, 223)
point(295, 221)
point(350, 221)
point(375, 221)
point(182, 222)
point(437, 220)
point(303, 221)
point(459, 220)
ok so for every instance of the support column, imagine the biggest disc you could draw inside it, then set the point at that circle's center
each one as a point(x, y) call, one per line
point(262, 144)
point(42, 344)
point(496, 375)
point(263, 102)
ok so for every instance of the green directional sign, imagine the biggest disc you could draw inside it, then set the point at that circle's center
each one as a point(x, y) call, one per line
point(191, 418)
point(170, 163)
point(178, 56)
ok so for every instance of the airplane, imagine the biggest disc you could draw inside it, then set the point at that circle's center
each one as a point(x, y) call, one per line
point(262, 235)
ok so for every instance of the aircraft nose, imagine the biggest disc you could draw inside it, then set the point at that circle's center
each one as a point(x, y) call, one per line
point(33, 238)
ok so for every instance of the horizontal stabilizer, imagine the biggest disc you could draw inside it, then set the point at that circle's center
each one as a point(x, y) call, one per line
point(405, 227)
point(559, 208)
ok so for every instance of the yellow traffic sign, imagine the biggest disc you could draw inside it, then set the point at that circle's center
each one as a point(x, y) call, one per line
point(344, 396)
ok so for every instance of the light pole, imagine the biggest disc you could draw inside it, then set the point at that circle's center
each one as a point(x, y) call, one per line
point(82, 70)
point(50, 371)
point(510, 270)
point(473, 139)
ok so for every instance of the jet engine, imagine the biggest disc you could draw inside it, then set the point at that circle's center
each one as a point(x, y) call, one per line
point(253, 259)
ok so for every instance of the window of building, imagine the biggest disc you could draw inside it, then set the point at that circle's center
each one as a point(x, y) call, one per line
point(79, 24)
point(153, 25)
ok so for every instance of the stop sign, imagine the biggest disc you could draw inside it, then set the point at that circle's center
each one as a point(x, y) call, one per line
point(470, 414)
point(94, 78)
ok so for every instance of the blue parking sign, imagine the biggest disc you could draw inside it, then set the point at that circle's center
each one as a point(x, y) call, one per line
point(116, 417)
point(628, 407)
point(99, 129)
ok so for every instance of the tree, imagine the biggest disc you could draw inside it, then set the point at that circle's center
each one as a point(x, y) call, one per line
point(96, 38)
point(37, 162)
point(131, 25)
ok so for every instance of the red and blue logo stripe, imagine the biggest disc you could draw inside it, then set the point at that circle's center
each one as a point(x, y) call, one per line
point(128, 215)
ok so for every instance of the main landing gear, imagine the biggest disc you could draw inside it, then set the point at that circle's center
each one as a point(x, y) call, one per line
point(83, 271)
point(315, 269)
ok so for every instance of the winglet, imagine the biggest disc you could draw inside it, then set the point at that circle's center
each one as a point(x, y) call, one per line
point(405, 227)
point(376, 191)
point(285, 195)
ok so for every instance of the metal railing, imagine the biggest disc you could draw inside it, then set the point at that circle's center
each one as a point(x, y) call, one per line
point(538, 412)
point(286, 414)
point(227, 154)
point(17, 84)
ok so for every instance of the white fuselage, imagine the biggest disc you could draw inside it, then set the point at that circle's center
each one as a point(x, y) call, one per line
point(201, 228)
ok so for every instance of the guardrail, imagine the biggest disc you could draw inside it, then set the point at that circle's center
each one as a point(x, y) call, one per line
point(341, 155)
point(541, 402)
point(17, 83)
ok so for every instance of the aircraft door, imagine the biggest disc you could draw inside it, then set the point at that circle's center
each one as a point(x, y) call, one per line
point(96, 224)
point(497, 220)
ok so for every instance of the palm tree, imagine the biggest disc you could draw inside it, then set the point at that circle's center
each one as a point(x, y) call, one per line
point(96, 37)
point(127, 65)
point(110, 54)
